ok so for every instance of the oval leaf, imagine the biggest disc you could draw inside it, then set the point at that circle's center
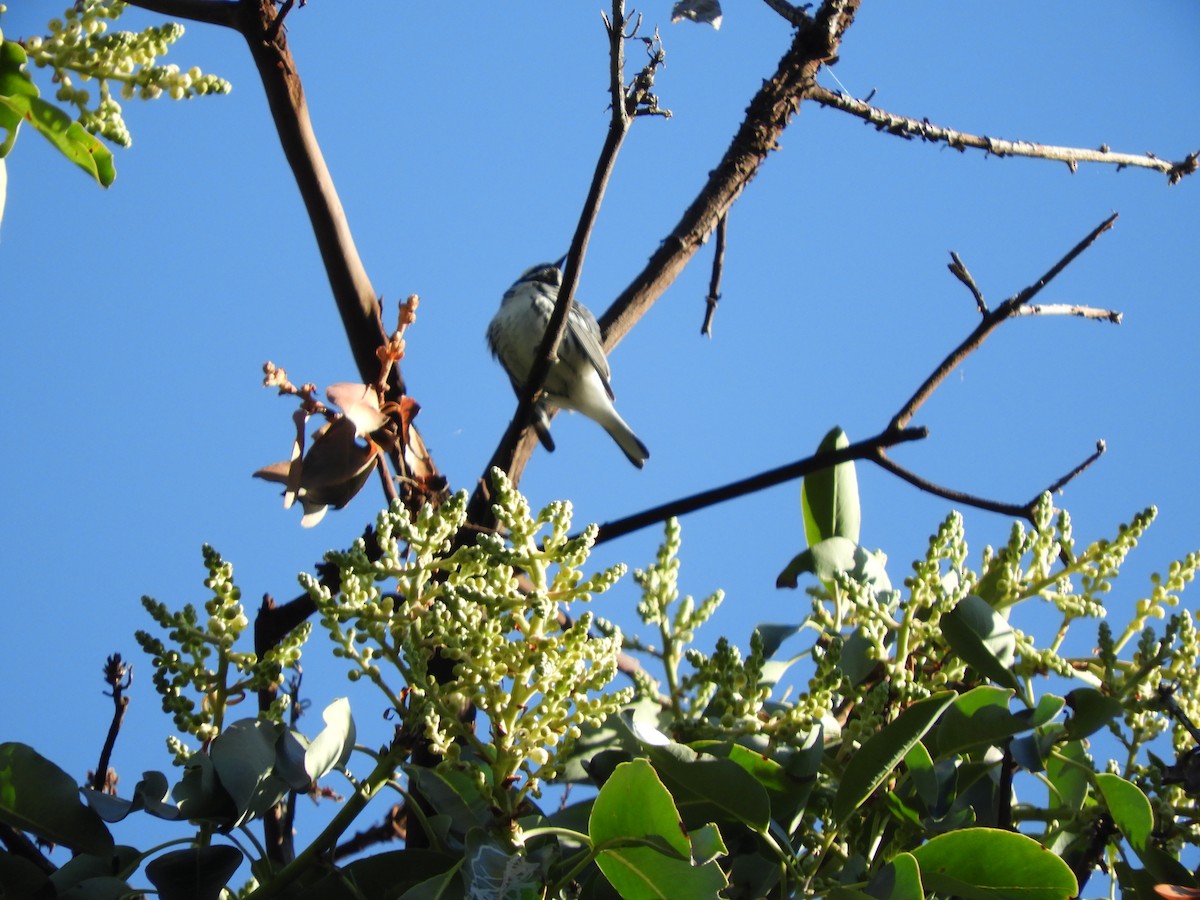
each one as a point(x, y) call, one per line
point(879, 756)
point(829, 498)
point(634, 815)
point(39, 797)
point(991, 864)
point(1129, 808)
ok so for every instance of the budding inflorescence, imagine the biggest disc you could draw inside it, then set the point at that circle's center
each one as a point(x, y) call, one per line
point(80, 47)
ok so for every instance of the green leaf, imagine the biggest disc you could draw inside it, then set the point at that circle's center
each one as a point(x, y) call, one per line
point(829, 498)
point(385, 874)
point(706, 788)
point(924, 777)
point(875, 760)
point(39, 797)
point(243, 756)
point(1129, 808)
point(1091, 711)
point(633, 825)
point(993, 864)
point(900, 879)
point(197, 873)
point(453, 794)
point(980, 717)
point(983, 639)
point(1067, 771)
point(833, 556)
point(71, 138)
point(21, 878)
point(301, 763)
point(151, 794)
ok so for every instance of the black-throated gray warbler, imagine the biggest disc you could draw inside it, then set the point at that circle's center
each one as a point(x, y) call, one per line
point(579, 378)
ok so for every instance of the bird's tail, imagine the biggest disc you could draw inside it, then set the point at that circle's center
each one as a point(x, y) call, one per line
point(633, 448)
point(540, 421)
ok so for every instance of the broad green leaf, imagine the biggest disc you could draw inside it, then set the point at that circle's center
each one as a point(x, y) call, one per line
point(16, 90)
point(451, 793)
point(980, 717)
point(833, 556)
point(924, 778)
point(152, 794)
point(197, 873)
point(829, 498)
point(1048, 706)
point(446, 886)
point(88, 877)
point(875, 760)
point(1067, 771)
point(1129, 808)
point(993, 864)
point(21, 878)
point(243, 756)
point(900, 879)
point(634, 824)
point(39, 797)
point(72, 140)
point(983, 639)
point(708, 787)
point(12, 113)
point(301, 763)
point(773, 635)
point(199, 793)
point(1090, 711)
point(385, 874)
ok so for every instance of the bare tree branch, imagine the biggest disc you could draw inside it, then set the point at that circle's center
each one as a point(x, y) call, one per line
point(714, 286)
point(517, 443)
point(991, 321)
point(867, 449)
point(905, 127)
point(815, 43)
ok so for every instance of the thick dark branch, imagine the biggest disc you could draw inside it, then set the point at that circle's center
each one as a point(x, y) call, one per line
point(992, 321)
point(903, 126)
point(352, 290)
point(867, 449)
point(211, 12)
point(816, 43)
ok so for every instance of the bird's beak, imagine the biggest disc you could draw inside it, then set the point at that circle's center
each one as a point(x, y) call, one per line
point(561, 261)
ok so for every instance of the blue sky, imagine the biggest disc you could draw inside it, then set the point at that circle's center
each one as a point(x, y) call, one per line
point(136, 320)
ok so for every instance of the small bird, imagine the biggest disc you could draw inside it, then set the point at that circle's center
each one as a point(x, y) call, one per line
point(579, 378)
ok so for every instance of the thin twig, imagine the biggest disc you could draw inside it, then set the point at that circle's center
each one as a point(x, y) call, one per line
point(118, 675)
point(714, 286)
point(815, 43)
point(866, 449)
point(990, 323)
point(1071, 309)
point(797, 15)
point(908, 128)
point(515, 445)
point(959, 270)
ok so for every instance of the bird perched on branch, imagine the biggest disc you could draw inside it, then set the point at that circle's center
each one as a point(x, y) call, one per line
point(579, 378)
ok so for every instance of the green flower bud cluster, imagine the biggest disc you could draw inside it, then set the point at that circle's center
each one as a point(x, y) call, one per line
point(79, 46)
point(539, 680)
point(199, 658)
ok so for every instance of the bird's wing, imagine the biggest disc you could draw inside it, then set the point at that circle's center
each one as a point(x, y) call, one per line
point(586, 330)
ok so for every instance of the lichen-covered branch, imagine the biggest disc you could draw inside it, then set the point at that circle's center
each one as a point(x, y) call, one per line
point(908, 128)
